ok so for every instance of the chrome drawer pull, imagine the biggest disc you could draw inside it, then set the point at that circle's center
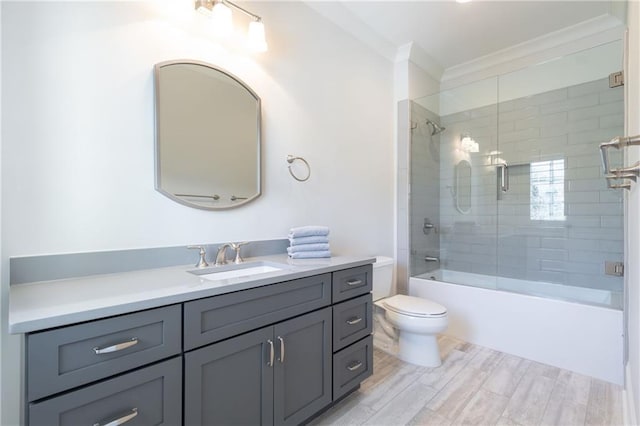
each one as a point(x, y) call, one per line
point(281, 349)
point(354, 320)
point(116, 348)
point(355, 366)
point(354, 282)
point(271, 353)
point(122, 420)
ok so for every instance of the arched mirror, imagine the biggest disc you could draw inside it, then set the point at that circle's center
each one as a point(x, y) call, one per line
point(207, 136)
point(462, 195)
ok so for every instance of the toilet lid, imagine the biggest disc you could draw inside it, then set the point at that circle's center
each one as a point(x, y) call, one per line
point(414, 306)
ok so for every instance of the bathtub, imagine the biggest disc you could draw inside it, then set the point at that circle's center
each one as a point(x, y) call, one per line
point(584, 337)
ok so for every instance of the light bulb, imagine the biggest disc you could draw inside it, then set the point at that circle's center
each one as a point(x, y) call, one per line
point(221, 17)
point(255, 38)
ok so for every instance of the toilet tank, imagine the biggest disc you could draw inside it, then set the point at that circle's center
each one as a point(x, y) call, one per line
point(382, 277)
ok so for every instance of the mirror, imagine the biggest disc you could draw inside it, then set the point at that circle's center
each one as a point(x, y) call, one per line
point(462, 195)
point(207, 136)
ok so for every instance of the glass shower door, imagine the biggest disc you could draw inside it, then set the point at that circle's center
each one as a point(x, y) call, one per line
point(557, 222)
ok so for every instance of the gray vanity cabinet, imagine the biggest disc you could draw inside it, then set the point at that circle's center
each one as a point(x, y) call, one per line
point(279, 374)
point(271, 355)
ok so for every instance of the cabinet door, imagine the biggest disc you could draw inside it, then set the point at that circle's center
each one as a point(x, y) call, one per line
point(302, 382)
point(231, 382)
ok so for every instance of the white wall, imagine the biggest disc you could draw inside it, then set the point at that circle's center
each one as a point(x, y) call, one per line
point(77, 135)
point(632, 84)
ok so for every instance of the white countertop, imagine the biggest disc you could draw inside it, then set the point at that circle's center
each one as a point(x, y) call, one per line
point(45, 304)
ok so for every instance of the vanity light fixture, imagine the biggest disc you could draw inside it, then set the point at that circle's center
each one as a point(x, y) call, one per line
point(219, 11)
point(468, 144)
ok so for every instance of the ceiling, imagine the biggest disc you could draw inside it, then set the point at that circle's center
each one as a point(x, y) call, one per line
point(453, 33)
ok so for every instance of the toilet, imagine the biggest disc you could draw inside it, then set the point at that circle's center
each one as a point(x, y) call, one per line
point(417, 320)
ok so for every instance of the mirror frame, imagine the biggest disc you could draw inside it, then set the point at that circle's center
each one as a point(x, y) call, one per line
point(158, 154)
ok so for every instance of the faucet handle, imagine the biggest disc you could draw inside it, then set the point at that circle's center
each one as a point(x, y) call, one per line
point(202, 263)
point(236, 247)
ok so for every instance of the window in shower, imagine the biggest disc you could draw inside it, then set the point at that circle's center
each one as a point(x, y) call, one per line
point(547, 190)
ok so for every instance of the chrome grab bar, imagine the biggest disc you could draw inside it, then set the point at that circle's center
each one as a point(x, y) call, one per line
point(116, 347)
point(120, 421)
point(610, 174)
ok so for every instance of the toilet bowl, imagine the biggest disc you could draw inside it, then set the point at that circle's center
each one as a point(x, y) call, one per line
point(417, 320)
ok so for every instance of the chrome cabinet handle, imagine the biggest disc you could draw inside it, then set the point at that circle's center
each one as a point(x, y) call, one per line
point(354, 366)
point(281, 349)
point(354, 320)
point(122, 420)
point(117, 347)
point(354, 282)
point(271, 353)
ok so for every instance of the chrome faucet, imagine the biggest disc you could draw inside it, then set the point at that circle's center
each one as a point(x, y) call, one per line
point(221, 256)
point(236, 247)
point(202, 263)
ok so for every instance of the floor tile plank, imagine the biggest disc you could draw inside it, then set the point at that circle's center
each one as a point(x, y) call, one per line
point(476, 386)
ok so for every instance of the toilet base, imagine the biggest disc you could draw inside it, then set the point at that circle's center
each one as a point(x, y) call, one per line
point(419, 349)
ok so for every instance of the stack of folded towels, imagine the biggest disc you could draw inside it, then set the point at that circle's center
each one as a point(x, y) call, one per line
point(308, 242)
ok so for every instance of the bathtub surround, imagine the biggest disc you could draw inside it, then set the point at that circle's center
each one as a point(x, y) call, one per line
point(564, 125)
point(552, 133)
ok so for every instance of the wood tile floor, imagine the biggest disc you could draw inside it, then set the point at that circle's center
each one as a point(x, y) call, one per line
point(476, 386)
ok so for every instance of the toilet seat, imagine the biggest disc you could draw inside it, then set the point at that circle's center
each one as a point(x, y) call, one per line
point(414, 306)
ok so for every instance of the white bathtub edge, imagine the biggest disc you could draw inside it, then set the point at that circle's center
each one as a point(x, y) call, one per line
point(591, 343)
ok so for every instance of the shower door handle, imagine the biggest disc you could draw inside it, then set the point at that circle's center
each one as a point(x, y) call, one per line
point(503, 179)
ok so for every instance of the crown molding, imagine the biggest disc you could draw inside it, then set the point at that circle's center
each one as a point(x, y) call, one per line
point(422, 59)
point(599, 30)
point(347, 21)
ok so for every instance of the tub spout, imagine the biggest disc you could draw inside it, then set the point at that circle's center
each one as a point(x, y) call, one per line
point(431, 259)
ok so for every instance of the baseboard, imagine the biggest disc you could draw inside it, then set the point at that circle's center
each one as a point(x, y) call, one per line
point(628, 402)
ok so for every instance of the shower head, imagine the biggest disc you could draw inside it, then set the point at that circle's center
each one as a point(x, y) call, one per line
point(436, 128)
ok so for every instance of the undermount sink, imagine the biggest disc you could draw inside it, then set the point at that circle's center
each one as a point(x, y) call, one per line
point(241, 270)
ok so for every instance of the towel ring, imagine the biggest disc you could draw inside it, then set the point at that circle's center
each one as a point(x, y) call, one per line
point(290, 160)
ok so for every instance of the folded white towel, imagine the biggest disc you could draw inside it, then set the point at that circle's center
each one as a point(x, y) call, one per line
point(310, 254)
point(308, 247)
point(308, 231)
point(309, 240)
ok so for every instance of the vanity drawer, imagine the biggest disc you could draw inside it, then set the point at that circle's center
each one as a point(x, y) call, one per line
point(351, 282)
point(149, 396)
point(351, 366)
point(352, 320)
point(215, 318)
point(67, 357)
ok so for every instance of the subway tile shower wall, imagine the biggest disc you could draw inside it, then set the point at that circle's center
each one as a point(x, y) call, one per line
point(504, 237)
